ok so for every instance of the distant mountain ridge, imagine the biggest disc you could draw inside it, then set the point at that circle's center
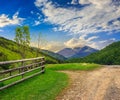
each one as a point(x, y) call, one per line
point(77, 52)
point(55, 55)
point(110, 55)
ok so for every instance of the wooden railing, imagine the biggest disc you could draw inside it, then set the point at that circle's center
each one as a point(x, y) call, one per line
point(26, 66)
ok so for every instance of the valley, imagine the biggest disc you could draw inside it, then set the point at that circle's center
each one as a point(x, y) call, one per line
point(82, 80)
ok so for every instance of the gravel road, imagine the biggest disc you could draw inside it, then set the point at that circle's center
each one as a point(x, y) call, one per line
point(102, 84)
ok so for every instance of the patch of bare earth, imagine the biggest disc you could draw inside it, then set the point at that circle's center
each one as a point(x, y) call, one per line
point(102, 84)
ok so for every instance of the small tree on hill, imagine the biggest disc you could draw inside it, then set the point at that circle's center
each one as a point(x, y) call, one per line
point(38, 40)
point(38, 44)
point(22, 37)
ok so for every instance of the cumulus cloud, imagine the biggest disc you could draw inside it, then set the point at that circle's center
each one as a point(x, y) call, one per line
point(40, 3)
point(92, 38)
point(37, 23)
point(95, 17)
point(90, 19)
point(74, 2)
point(52, 46)
point(103, 43)
point(5, 20)
point(80, 42)
point(72, 43)
point(84, 2)
point(100, 4)
point(75, 43)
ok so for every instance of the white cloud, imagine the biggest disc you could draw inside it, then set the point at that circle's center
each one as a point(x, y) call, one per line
point(52, 46)
point(84, 2)
point(92, 38)
point(117, 22)
point(102, 44)
point(40, 3)
point(82, 41)
point(75, 43)
point(74, 2)
point(91, 19)
point(101, 3)
point(37, 23)
point(5, 20)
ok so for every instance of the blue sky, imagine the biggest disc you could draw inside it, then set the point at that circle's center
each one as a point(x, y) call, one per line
point(63, 23)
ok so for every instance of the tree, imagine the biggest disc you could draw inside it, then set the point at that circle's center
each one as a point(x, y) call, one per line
point(38, 44)
point(22, 37)
point(39, 41)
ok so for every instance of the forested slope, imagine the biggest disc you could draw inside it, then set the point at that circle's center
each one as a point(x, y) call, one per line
point(109, 55)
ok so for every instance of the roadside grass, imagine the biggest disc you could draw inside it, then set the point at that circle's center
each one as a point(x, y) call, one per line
point(20, 77)
point(42, 87)
point(45, 86)
point(73, 66)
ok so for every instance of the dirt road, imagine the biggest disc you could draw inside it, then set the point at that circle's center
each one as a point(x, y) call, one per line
point(102, 84)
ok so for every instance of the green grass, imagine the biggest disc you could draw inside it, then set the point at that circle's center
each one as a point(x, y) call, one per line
point(73, 66)
point(19, 77)
point(42, 87)
point(9, 50)
point(45, 86)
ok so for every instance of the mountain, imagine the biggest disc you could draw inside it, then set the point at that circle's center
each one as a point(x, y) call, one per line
point(55, 55)
point(67, 52)
point(9, 51)
point(84, 51)
point(77, 52)
point(109, 55)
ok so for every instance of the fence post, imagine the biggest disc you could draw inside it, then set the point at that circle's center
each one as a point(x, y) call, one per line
point(10, 73)
point(43, 67)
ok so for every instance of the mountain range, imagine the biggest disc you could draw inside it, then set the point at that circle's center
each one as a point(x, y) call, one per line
point(110, 55)
point(55, 55)
point(77, 52)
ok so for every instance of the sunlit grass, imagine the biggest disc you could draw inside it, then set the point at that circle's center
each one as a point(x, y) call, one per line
point(73, 66)
point(42, 87)
point(45, 86)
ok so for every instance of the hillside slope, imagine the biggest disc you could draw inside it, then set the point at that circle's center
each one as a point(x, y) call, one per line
point(109, 55)
point(55, 55)
point(9, 51)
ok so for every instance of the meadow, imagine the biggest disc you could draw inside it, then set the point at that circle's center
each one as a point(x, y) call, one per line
point(45, 86)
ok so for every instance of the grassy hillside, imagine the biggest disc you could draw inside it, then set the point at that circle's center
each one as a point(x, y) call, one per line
point(46, 86)
point(109, 55)
point(9, 51)
point(55, 55)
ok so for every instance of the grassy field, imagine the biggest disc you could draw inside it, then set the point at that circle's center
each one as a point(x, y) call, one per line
point(73, 66)
point(46, 86)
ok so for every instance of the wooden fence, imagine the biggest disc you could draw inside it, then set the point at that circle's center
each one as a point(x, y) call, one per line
point(26, 66)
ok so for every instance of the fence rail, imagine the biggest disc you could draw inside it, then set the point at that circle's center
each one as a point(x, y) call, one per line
point(34, 64)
